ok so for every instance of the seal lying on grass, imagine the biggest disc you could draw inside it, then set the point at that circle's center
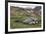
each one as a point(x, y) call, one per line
point(31, 20)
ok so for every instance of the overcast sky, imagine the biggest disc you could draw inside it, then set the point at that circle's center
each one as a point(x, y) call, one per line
point(24, 5)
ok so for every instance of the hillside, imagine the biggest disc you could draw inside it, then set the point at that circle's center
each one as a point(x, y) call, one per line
point(19, 14)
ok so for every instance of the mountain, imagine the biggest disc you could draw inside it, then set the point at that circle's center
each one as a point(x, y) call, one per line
point(26, 11)
point(37, 8)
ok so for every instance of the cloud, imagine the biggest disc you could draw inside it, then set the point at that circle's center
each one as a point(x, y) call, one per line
point(25, 5)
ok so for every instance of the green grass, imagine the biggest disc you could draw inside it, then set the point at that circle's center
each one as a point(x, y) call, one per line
point(15, 24)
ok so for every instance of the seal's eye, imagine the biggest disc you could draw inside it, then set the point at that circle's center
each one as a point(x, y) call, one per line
point(32, 20)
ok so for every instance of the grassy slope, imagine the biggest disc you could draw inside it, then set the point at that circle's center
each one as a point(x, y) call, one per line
point(14, 24)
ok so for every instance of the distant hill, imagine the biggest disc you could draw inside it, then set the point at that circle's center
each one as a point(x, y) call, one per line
point(37, 8)
point(25, 11)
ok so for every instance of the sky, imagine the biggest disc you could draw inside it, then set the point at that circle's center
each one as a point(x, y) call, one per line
point(24, 5)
